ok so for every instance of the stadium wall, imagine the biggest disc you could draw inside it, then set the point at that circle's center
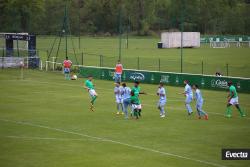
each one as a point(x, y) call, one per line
point(169, 78)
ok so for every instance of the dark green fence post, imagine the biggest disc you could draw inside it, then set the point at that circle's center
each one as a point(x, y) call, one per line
point(82, 58)
point(138, 63)
point(159, 64)
point(202, 68)
point(17, 45)
point(227, 69)
point(3, 60)
point(100, 60)
point(47, 54)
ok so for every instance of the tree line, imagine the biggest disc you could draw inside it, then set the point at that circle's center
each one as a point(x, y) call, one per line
point(139, 17)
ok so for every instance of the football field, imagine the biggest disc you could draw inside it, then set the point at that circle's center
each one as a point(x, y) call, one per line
point(45, 121)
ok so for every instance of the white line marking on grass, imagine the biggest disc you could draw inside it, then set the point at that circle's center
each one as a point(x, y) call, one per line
point(113, 141)
point(46, 138)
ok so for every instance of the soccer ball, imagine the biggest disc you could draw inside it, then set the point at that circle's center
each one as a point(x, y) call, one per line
point(74, 77)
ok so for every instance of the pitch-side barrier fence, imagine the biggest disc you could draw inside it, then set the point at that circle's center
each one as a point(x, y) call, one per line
point(169, 78)
point(154, 77)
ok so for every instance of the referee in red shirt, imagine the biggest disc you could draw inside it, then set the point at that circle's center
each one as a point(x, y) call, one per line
point(118, 71)
point(67, 64)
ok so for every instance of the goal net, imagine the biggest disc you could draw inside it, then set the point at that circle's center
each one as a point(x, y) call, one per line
point(16, 62)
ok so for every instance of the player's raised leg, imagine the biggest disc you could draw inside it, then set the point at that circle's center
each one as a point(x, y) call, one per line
point(89, 86)
point(199, 103)
point(201, 113)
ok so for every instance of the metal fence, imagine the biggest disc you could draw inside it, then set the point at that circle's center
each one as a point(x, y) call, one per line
point(142, 63)
point(158, 64)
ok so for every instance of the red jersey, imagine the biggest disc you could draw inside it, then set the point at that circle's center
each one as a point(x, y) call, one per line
point(67, 63)
point(118, 69)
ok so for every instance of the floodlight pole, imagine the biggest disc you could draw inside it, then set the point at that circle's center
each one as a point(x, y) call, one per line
point(128, 29)
point(65, 30)
point(120, 32)
point(79, 29)
point(17, 45)
point(181, 50)
point(182, 27)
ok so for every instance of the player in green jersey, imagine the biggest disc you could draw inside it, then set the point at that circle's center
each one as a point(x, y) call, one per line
point(233, 99)
point(89, 86)
point(135, 102)
point(137, 91)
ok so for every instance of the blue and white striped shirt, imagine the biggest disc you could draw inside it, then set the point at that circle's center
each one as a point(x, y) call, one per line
point(188, 90)
point(198, 96)
point(126, 92)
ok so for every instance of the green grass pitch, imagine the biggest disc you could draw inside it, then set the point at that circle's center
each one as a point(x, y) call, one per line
point(45, 121)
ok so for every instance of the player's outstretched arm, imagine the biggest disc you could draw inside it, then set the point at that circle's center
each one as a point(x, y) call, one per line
point(182, 93)
point(85, 87)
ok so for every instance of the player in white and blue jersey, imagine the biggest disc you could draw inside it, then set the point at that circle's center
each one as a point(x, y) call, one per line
point(118, 90)
point(199, 103)
point(189, 97)
point(162, 99)
point(126, 99)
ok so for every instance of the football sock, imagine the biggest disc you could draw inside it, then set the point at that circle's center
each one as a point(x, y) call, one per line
point(229, 111)
point(136, 113)
point(122, 107)
point(68, 76)
point(93, 99)
point(199, 113)
point(189, 109)
point(162, 110)
point(240, 111)
point(202, 113)
point(125, 111)
point(118, 107)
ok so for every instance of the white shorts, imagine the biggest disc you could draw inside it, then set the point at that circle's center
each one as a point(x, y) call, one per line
point(139, 106)
point(234, 101)
point(134, 106)
point(92, 92)
point(161, 103)
point(189, 99)
point(199, 105)
point(118, 100)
